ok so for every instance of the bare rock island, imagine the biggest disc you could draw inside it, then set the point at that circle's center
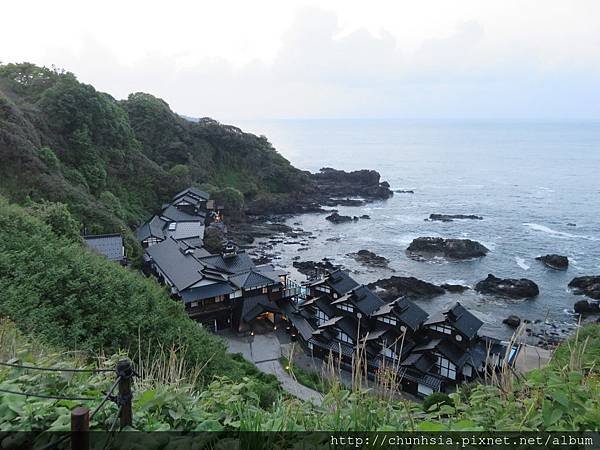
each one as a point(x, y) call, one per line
point(556, 262)
point(427, 247)
point(390, 289)
point(508, 287)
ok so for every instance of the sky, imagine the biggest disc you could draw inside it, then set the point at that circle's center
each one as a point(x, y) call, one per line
point(263, 59)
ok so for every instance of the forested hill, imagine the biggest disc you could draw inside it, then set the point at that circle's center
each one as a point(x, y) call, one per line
point(113, 162)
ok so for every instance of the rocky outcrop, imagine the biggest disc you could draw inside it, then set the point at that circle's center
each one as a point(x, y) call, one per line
point(556, 262)
point(391, 288)
point(455, 288)
point(310, 267)
point(370, 259)
point(451, 217)
point(508, 287)
point(512, 321)
point(337, 218)
point(589, 286)
point(586, 307)
point(338, 184)
point(450, 248)
point(404, 191)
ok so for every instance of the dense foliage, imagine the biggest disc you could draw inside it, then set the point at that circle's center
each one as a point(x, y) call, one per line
point(562, 396)
point(113, 163)
point(68, 296)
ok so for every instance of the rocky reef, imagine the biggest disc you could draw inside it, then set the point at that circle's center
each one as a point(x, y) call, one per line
point(426, 247)
point(588, 285)
point(452, 217)
point(391, 288)
point(370, 259)
point(556, 262)
point(508, 287)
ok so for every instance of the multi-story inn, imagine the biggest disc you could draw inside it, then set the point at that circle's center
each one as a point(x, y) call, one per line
point(220, 291)
point(429, 354)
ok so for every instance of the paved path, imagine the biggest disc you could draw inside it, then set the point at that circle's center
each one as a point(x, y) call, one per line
point(264, 350)
point(531, 357)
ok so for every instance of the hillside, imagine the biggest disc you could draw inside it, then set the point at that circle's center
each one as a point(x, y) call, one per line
point(54, 288)
point(114, 162)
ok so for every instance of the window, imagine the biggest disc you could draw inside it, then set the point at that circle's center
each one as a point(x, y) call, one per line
point(219, 298)
point(345, 338)
point(424, 390)
point(236, 294)
point(172, 226)
point(346, 307)
point(387, 319)
point(194, 305)
point(152, 241)
point(310, 345)
point(265, 290)
point(442, 329)
point(389, 353)
point(447, 369)
point(467, 371)
point(335, 295)
point(323, 289)
point(321, 317)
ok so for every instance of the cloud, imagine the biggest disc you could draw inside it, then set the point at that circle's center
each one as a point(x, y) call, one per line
point(321, 69)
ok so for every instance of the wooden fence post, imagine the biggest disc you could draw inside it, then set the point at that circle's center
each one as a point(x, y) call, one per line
point(80, 427)
point(125, 371)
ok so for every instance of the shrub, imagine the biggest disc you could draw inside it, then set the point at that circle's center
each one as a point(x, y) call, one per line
point(438, 399)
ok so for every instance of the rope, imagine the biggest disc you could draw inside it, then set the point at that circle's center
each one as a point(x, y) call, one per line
point(107, 397)
point(52, 397)
point(54, 369)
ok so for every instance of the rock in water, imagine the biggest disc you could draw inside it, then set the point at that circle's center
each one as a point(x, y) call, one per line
point(450, 248)
point(455, 288)
point(508, 287)
point(336, 218)
point(556, 262)
point(391, 288)
point(451, 217)
point(311, 267)
point(369, 258)
point(589, 285)
point(586, 307)
point(512, 321)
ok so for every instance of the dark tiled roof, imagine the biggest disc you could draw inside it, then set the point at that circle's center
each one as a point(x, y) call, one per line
point(340, 282)
point(177, 215)
point(186, 230)
point(209, 290)
point(419, 361)
point(254, 306)
point(182, 269)
point(365, 300)
point(250, 279)
point(409, 313)
point(238, 263)
point(323, 304)
point(154, 227)
point(463, 320)
point(194, 192)
point(109, 245)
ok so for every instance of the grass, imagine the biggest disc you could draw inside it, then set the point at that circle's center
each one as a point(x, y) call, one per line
point(308, 378)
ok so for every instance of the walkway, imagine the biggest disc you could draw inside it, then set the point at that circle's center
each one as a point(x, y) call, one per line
point(264, 350)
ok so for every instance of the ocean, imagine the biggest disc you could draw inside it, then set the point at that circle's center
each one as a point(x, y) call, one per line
point(529, 180)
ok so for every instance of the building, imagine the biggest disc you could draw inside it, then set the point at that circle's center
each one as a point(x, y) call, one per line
point(109, 245)
point(183, 219)
point(219, 291)
point(428, 354)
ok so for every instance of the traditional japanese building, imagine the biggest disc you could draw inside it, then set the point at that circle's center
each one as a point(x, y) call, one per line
point(109, 245)
point(220, 291)
point(429, 354)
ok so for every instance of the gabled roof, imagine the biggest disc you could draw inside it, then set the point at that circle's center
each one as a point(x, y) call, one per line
point(209, 290)
point(237, 263)
point(181, 269)
point(175, 214)
point(419, 361)
point(153, 228)
point(109, 245)
point(187, 230)
point(365, 300)
point(194, 192)
point(250, 279)
point(331, 322)
point(464, 321)
point(409, 313)
point(340, 282)
point(255, 306)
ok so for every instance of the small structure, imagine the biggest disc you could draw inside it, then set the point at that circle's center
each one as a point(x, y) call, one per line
point(183, 219)
point(428, 354)
point(109, 245)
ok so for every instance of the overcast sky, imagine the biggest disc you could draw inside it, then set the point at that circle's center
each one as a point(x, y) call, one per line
point(258, 59)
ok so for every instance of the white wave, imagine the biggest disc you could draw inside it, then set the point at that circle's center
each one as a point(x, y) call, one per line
point(559, 234)
point(521, 263)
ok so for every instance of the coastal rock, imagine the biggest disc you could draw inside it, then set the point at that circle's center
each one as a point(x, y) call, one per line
point(342, 202)
point(586, 307)
point(366, 184)
point(589, 286)
point(508, 287)
point(571, 224)
point(512, 321)
point(451, 217)
point(450, 248)
point(391, 288)
point(337, 218)
point(365, 216)
point(404, 191)
point(557, 262)
point(455, 288)
point(311, 267)
point(369, 258)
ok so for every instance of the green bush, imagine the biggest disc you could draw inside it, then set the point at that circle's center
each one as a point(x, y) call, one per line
point(438, 399)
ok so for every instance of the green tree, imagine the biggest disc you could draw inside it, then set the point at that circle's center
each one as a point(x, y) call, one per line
point(58, 217)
